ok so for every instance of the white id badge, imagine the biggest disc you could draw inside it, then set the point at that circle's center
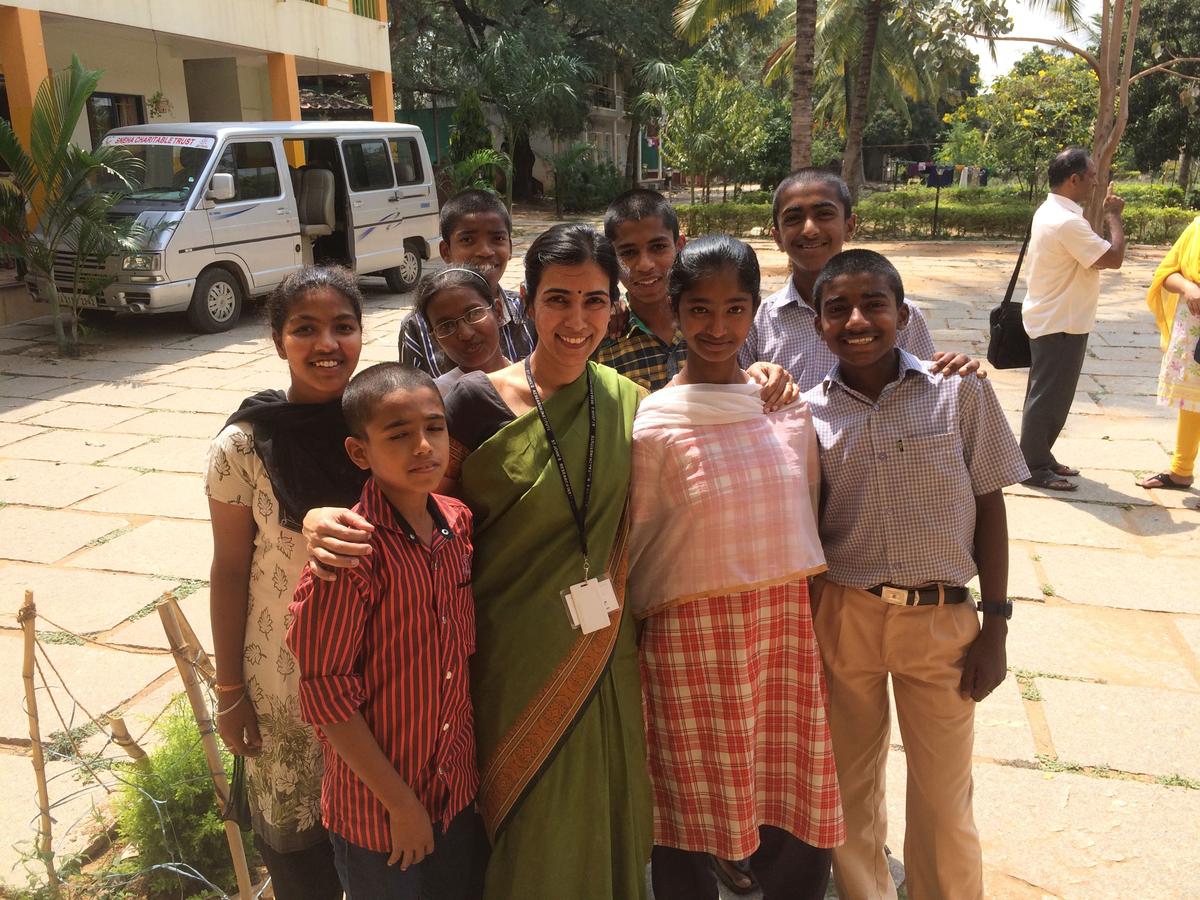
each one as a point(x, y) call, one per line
point(588, 604)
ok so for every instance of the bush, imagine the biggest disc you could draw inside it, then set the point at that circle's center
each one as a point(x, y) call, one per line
point(582, 184)
point(729, 218)
point(169, 812)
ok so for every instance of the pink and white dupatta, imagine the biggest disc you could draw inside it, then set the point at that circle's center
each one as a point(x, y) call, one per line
point(722, 498)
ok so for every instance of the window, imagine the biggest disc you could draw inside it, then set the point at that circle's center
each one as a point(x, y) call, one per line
point(406, 160)
point(108, 111)
point(254, 171)
point(368, 165)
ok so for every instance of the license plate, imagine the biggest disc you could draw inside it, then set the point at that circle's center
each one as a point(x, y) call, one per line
point(80, 301)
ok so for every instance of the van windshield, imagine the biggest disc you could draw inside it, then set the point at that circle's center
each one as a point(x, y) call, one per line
point(173, 165)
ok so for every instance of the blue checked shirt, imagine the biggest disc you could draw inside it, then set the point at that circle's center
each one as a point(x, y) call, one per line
point(900, 475)
point(419, 349)
point(783, 333)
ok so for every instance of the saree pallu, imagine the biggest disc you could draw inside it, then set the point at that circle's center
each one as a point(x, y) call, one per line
point(564, 789)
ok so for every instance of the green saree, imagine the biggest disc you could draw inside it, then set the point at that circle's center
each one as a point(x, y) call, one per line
point(564, 789)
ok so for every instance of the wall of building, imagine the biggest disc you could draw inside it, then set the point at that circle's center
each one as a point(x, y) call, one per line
point(278, 26)
point(213, 89)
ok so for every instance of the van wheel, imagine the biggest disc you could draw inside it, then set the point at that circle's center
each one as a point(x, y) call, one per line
point(216, 302)
point(403, 278)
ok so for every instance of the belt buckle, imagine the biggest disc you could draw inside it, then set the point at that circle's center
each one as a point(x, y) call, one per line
point(894, 595)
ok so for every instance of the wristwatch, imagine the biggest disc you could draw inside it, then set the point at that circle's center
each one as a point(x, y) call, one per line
point(991, 608)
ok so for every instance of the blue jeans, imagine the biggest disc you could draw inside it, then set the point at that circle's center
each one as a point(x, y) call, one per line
point(454, 871)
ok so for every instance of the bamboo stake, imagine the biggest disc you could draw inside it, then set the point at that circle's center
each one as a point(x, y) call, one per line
point(184, 655)
point(28, 619)
point(123, 739)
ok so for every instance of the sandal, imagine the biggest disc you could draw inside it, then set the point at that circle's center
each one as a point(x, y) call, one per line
point(1050, 482)
point(1166, 481)
point(735, 875)
point(1060, 469)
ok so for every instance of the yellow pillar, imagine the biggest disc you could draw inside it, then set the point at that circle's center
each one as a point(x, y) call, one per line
point(23, 53)
point(383, 103)
point(285, 98)
point(381, 10)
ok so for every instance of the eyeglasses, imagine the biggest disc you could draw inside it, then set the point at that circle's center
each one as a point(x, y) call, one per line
point(473, 316)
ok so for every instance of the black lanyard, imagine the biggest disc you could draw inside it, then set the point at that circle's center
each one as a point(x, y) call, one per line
point(580, 515)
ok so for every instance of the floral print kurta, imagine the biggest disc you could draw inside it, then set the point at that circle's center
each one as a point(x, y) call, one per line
point(284, 781)
point(1179, 378)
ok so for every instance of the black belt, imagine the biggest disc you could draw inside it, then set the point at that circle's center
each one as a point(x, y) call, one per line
point(937, 595)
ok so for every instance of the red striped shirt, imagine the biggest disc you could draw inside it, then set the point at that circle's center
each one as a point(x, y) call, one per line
point(392, 639)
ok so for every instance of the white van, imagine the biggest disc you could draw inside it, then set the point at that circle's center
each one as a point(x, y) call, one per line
point(229, 209)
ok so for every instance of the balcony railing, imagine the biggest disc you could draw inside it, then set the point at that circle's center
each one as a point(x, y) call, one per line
point(366, 8)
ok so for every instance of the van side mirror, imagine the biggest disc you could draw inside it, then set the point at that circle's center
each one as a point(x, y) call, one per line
point(220, 187)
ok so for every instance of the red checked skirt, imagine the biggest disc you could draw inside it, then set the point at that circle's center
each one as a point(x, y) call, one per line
point(736, 729)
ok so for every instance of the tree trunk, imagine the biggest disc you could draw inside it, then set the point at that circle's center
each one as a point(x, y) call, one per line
point(632, 170)
point(1185, 169)
point(852, 158)
point(802, 83)
point(511, 139)
point(523, 160)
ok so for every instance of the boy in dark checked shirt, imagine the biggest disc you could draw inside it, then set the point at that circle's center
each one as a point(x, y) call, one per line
point(383, 654)
point(912, 467)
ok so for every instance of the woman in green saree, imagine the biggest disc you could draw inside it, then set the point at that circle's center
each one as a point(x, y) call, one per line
point(564, 788)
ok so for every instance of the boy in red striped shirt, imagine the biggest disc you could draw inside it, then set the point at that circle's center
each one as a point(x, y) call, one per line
point(383, 653)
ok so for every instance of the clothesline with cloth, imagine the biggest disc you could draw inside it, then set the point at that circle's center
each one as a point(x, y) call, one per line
point(944, 174)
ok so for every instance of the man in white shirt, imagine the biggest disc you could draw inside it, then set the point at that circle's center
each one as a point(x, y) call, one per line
point(1065, 259)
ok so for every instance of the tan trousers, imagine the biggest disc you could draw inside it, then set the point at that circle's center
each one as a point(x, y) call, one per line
point(863, 640)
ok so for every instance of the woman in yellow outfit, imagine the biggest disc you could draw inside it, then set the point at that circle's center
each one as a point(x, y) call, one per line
point(1174, 298)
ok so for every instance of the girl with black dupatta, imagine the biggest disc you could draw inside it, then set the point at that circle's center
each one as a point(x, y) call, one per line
point(281, 454)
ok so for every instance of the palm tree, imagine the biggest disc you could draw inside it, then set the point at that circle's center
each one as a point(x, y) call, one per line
point(694, 18)
point(54, 214)
point(852, 158)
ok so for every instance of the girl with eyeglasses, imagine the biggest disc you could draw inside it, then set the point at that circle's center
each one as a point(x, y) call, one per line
point(462, 315)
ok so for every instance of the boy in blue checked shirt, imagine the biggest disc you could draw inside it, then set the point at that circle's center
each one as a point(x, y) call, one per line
point(912, 465)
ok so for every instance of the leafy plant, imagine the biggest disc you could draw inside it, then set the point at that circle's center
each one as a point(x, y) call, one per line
point(54, 214)
point(581, 182)
point(469, 130)
point(169, 812)
point(478, 170)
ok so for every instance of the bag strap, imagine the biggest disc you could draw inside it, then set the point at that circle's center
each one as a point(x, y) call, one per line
point(1012, 282)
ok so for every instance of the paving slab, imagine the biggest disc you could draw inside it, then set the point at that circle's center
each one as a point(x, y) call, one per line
point(31, 386)
point(1077, 837)
point(253, 381)
point(148, 631)
point(1172, 532)
point(88, 416)
point(13, 409)
point(168, 494)
point(1023, 580)
point(40, 483)
point(11, 432)
point(241, 341)
point(73, 815)
point(1111, 645)
point(180, 549)
point(130, 393)
point(1059, 521)
point(200, 400)
point(1129, 406)
point(1113, 486)
point(1190, 629)
point(170, 454)
point(1089, 453)
point(1119, 427)
point(175, 424)
point(49, 367)
point(82, 601)
point(1153, 731)
point(144, 354)
point(83, 447)
point(100, 678)
point(1127, 580)
point(1134, 385)
point(1135, 354)
point(197, 377)
point(45, 535)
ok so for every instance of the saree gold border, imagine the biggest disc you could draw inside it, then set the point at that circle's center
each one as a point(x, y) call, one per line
point(736, 589)
point(535, 735)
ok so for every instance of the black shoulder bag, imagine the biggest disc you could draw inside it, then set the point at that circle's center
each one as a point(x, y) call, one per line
point(1008, 344)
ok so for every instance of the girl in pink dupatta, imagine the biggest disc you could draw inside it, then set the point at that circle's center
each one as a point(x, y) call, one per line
point(723, 540)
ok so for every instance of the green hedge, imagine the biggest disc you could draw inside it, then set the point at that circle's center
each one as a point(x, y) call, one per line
point(898, 215)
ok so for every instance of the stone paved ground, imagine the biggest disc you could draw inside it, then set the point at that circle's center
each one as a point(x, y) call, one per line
point(1087, 758)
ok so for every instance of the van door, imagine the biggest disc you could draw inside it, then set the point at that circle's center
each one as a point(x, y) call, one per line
point(376, 242)
point(418, 200)
point(260, 226)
